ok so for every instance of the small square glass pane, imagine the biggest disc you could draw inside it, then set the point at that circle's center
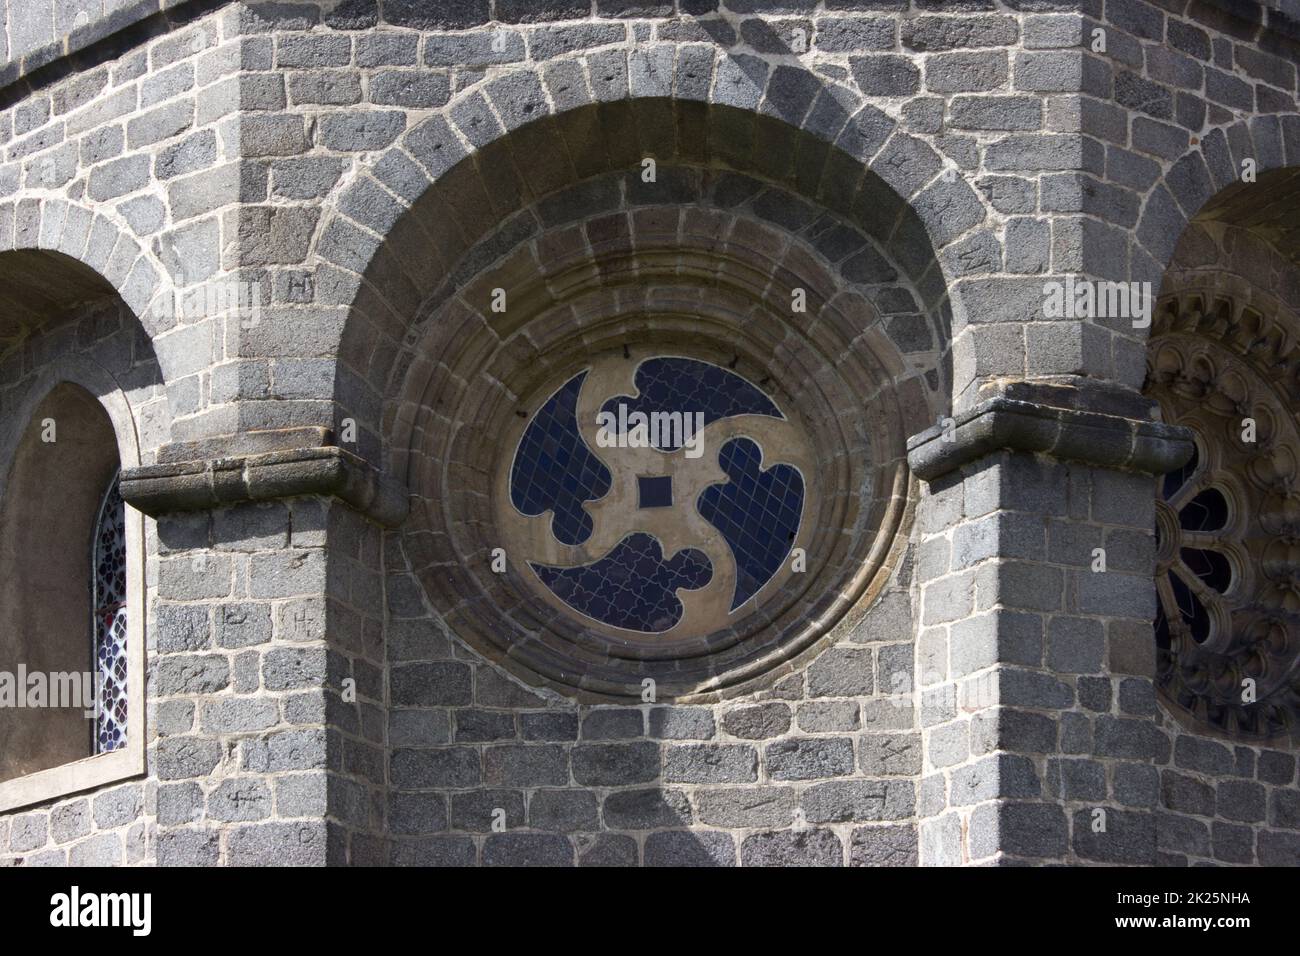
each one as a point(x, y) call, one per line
point(655, 492)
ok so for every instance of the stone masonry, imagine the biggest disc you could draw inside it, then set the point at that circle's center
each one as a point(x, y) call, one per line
point(370, 168)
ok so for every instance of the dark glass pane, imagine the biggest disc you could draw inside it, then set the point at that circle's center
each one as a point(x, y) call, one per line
point(109, 621)
point(654, 491)
point(1163, 637)
point(1208, 511)
point(633, 586)
point(681, 386)
point(757, 512)
point(555, 471)
point(1180, 476)
point(1210, 566)
point(1192, 610)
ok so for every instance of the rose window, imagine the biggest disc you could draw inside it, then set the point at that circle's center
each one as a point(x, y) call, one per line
point(656, 496)
point(1228, 525)
point(649, 471)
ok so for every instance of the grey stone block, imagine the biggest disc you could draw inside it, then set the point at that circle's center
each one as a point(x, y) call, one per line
point(829, 716)
point(484, 811)
point(1020, 829)
point(240, 799)
point(743, 807)
point(565, 811)
point(682, 723)
point(966, 72)
point(804, 847)
point(178, 758)
point(710, 763)
point(809, 758)
point(690, 848)
point(885, 75)
point(528, 849)
point(519, 765)
point(441, 767)
point(278, 844)
point(477, 726)
point(844, 801)
point(883, 846)
point(842, 672)
point(757, 721)
point(118, 177)
point(69, 821)
point(159, 124)
point(646, 809)
point(548, 726)
point(1129, 837)
point(103, 849)
point(613, 724)
point(607, 849)
point(434, 851)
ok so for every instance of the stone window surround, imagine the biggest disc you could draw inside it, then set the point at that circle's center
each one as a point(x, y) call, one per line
point(737, 659)
point(129, 760)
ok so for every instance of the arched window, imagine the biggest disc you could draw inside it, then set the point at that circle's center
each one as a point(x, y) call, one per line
point(108, 624)
point(71, 591)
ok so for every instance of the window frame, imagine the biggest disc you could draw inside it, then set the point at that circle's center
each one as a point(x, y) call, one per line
point(127, 761)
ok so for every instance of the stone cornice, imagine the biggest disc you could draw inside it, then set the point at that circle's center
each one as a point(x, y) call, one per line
point(1096, 438)
point(209, 483)
point(1266, 17)
point(147, 18)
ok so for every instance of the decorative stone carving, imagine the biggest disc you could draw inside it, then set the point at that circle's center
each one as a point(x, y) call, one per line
point(530, 579)
point(1228, 522)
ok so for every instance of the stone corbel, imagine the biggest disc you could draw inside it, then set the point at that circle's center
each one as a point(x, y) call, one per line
point(202, 484)
point(1065, 428)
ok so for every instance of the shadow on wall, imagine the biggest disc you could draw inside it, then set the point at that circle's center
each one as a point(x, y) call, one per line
point(793, 129)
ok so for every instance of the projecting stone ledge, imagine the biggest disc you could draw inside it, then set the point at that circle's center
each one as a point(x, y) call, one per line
point(208, 483)
point(1098, 438)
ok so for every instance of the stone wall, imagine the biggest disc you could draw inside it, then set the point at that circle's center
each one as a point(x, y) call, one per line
point(111, 825)
point(357, 162)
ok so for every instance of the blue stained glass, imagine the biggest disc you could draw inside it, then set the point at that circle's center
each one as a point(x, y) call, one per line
point(687, 386)
point(633, 586)
point(109, 621)
point(655, 491)
point(757, 512)
point(555, 471)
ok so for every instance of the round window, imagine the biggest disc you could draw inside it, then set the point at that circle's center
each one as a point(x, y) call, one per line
point(1228, 608)
point(646, 472)
point(657, 498)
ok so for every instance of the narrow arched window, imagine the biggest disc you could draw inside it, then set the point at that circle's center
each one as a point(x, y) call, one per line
point(108, 599)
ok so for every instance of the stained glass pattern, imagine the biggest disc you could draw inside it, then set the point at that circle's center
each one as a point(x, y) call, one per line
point(555, 471)
point(109, 602)
point(757, 512)
point(632, 587)
point(687, 386)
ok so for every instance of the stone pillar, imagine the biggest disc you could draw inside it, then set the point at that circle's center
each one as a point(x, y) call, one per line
point(266, 659)
point(1035, 653)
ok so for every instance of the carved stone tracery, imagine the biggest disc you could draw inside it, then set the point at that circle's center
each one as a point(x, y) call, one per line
point(1228, 522)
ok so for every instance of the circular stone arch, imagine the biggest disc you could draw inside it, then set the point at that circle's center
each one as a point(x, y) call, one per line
point(1205, 182)
point(105, 259)
point(403, 228)
point(415, 248)
point(57, 254)
point(1223, 351)
point(614, 288)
